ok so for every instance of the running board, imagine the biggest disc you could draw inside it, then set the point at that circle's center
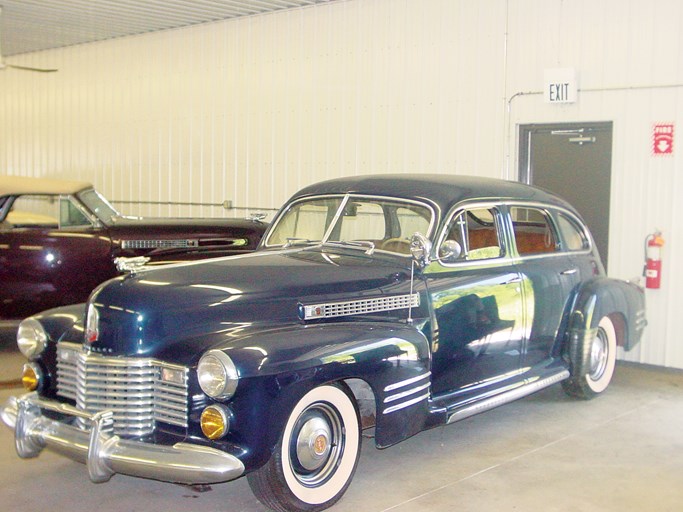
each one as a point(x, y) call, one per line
point(527, 388)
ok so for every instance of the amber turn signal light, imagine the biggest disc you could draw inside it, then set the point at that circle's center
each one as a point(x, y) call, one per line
point(31, 377)
point(215, 422)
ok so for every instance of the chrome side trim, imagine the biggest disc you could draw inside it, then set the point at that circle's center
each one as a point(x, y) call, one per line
point(406, 382)
point(359, 307)
point(106, 454)
point(641, 320)
point(403, 405)
point(515, 392)
point(416, 386)
point(411, 391)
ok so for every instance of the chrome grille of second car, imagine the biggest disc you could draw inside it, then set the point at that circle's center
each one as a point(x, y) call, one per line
point(158, 244)
point(132, 388)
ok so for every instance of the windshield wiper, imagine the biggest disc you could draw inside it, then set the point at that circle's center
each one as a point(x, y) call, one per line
point(366, 245)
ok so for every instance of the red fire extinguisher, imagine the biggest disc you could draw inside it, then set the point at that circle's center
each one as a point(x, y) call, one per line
point(653, 259)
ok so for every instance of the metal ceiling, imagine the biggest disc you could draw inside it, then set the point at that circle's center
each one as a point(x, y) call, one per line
point(33, 25)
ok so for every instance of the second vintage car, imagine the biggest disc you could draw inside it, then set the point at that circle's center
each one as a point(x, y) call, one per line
point(59, 239)
point(392, 302)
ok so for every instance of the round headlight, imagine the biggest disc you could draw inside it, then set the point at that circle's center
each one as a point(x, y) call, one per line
point(31, 338)
point(215, 421)
point(31, 377)
point(217, 374)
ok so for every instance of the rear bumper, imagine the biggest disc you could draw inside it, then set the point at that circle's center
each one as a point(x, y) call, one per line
point(106, 454)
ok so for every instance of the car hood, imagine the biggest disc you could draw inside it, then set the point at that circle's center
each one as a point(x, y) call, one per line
point(175, 313)
point(164, 239)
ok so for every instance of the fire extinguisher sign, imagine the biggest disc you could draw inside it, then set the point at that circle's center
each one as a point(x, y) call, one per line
point(663, 139)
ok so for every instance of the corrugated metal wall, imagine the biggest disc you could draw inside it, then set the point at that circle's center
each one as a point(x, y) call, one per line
point(252, 109)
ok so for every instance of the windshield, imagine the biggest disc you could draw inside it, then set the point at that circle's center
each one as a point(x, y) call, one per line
point(99, 206)
point(385, 224)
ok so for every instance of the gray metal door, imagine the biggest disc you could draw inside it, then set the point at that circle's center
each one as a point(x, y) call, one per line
point(574, 161)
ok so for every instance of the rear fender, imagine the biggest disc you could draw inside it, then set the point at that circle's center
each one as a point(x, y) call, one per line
point(622, 301)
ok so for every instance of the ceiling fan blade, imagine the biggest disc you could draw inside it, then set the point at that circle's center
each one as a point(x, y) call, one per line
point(4, 65)
point(26, 68)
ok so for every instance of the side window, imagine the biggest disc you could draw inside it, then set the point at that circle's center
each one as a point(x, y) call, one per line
point(69, 215)
point(573, 235)
point(45, 211)
point(534, 233)
point(476, 232)
point(34, 211)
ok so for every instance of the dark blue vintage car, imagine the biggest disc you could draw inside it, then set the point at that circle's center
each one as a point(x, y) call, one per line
point(395, 303)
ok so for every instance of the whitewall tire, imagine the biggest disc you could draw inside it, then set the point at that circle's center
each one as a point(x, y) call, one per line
point(316, 456)
point(594, 362)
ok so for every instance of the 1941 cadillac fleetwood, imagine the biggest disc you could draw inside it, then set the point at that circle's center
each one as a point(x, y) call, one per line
point(391, 302)
point(51, 231)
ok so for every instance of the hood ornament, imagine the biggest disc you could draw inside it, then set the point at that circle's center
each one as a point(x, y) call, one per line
point(131, 265)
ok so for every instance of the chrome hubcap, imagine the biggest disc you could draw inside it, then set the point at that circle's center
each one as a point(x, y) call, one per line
point(599, 355)
point(317, 445)
point(313, 443)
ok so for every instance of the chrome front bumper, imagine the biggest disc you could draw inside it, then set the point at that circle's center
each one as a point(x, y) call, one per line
point(106, 454)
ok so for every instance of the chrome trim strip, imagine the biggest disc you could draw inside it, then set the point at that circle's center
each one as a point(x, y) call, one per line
point(406, 382)
point(403, 394)
point(105, 454)
point(359, 306)
point(514, 392)
point(403, 405)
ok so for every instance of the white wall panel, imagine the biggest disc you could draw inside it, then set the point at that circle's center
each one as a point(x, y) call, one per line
point(253, 109)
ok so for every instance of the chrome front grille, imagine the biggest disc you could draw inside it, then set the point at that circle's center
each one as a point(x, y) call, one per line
point(140, 392)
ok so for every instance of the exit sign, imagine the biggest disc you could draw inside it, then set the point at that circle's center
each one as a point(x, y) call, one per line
point(559, 85)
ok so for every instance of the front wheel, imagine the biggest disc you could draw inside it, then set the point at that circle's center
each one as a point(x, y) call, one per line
point(593, 362)
point(316, 455)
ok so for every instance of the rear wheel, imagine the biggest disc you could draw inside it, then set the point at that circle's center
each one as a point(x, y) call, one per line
point(316, 456)
point(593, 362)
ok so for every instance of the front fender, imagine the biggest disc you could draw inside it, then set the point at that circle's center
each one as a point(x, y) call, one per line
point(279, 366)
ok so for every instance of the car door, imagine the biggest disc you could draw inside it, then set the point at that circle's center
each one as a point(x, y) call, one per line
point(548, 275)
point(51, 254)
point(477, 303)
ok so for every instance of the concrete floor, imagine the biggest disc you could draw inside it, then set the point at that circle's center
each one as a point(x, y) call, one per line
point(620, 452)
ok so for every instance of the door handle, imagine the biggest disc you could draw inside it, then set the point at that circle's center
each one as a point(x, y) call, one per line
point(569, 272)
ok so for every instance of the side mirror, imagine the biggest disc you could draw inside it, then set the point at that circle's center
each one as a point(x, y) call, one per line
point(450, 251)
point(421, 249)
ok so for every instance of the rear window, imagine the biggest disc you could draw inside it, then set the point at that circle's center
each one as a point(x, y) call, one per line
point(573, 236)
point(534, 232)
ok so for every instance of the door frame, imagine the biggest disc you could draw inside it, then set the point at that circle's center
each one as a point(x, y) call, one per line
point(524, 170)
